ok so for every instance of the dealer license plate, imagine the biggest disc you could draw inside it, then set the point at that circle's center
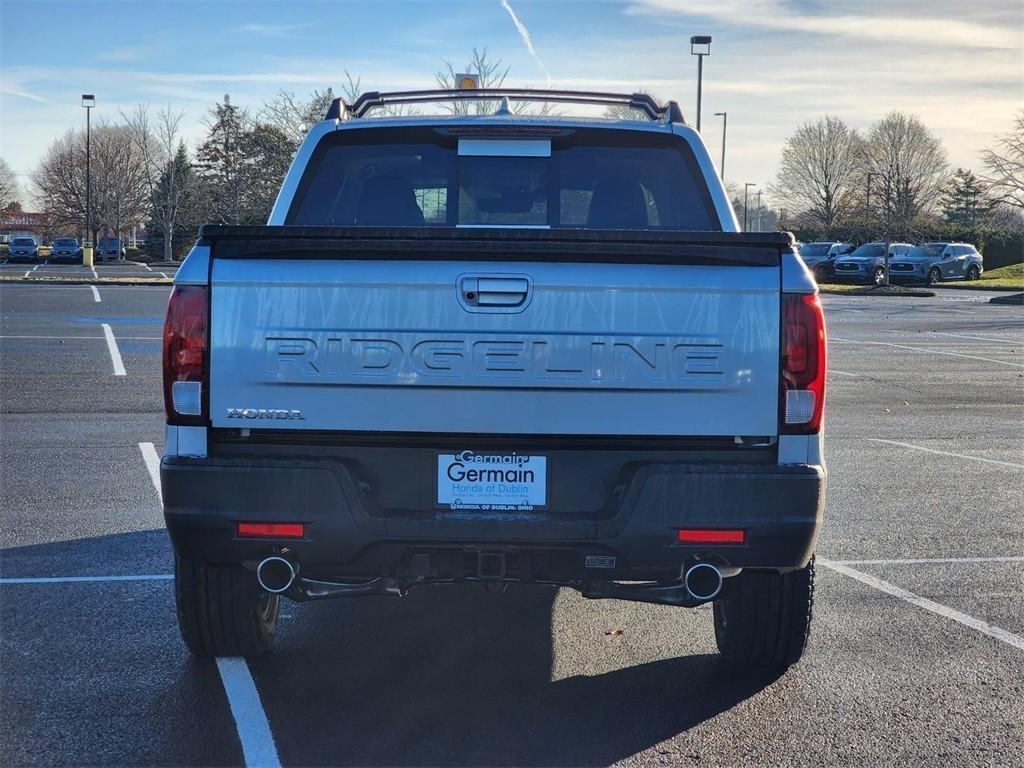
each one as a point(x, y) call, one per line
point(492, 481)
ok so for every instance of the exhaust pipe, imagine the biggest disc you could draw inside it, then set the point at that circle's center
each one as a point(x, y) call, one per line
point(703, 581)
point(276, 574)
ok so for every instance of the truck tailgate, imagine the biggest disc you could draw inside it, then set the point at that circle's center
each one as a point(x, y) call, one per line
point(500, 346)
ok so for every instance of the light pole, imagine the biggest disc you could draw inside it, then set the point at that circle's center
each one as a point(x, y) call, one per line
point(867, 199)
point(746, 189)
point(725, 124)
point(700, 46)
point(88, 102)
point(759, 209)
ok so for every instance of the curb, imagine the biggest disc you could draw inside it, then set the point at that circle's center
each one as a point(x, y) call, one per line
point(873, 291)
point(1013, 298)
point(157, 282)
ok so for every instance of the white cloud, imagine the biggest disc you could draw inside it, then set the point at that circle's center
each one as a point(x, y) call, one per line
point(14, 90)
point(275, 30)
point(781, 16)
point(524, 34)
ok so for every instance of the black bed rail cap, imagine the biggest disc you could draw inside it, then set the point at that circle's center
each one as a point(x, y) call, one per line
point(642, 102)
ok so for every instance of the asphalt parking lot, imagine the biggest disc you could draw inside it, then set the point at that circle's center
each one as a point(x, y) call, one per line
point(65, 270)
point(916, 656)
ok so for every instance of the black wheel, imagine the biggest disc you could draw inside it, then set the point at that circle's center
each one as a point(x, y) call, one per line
point(973, 273)
point(765, 618)
point(878, 275)
point(222, 611)
point(934, 276)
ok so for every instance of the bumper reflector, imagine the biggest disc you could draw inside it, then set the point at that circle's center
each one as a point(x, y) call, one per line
point(711, 536)
point(271, 530)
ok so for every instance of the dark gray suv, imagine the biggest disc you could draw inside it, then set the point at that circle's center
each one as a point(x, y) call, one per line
point(935, 262)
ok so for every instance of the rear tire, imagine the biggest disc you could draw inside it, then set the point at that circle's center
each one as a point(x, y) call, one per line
point(222, 611)
point(765, 619)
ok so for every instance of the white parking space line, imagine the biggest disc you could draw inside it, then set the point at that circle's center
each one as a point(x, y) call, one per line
point(931, 560)
point(27, 273)
point(947, 453)
point(85, 579)
point(148, 268)
point(152, 459)
point(115, 354)
point(97, 277)
point(841, 373)
point(929, 605)
point(95, 294)
point(258, 746)
point(978, 338)
point(927, 351)
point(164, 274)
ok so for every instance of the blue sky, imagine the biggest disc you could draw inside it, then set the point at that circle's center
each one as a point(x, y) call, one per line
point(774, 63)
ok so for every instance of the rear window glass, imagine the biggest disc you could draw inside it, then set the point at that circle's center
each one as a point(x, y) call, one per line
point(815, 249)
point(870, 251)
point(593, 180)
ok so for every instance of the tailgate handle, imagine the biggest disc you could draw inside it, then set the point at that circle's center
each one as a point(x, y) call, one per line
point(494, 291)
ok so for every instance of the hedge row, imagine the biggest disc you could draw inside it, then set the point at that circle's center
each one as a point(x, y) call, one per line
point(1000, 247)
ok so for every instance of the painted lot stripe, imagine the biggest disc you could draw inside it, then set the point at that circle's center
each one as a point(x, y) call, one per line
point(929, 605)
point(947, 453)
point(86, 579)
point(94, 273)
point(977, 338)
point(841, 373)
point(27, 273)
point(258, 746)
point(115, 354)
point(95, 294)
point(130, 338)
point(928, 351)
point(149, 455)
point(932, 560)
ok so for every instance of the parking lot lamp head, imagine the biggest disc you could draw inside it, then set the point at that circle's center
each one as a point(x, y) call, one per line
point(700, 46)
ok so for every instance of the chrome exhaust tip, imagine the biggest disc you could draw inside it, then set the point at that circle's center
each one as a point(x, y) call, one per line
point(276, 574)
point(703, 581)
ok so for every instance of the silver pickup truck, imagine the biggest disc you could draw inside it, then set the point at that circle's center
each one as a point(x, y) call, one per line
point(497, 348)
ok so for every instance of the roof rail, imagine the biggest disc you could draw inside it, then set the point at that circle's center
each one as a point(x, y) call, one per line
point(643, 102)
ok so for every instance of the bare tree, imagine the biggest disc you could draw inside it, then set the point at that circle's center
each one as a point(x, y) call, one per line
point(167, 186)
point(10, 190)
point(907, 164)
point(491, 74)
point(1005, 165)
point(294, 117)
point(817, 169)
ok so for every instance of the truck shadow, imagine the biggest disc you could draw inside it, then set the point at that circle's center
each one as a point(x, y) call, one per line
point(456, 676)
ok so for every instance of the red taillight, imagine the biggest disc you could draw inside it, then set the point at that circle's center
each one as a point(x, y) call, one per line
point(711, 536)
point(185, 344)
point(271, 530)
point(802, 388)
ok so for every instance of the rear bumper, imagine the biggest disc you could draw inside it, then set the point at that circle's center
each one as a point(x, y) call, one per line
point(635, 505)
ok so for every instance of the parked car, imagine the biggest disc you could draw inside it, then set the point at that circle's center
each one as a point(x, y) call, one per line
point(65, 249)
point(815, 256)
point(935, 262)
point(23, 249)
point(820, 257)
point(866, 264)
point(566, 373)
point(110, 248)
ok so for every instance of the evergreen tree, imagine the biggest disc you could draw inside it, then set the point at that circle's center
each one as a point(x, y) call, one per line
point(221, 161)
point(965, 200)
point(174, 220)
